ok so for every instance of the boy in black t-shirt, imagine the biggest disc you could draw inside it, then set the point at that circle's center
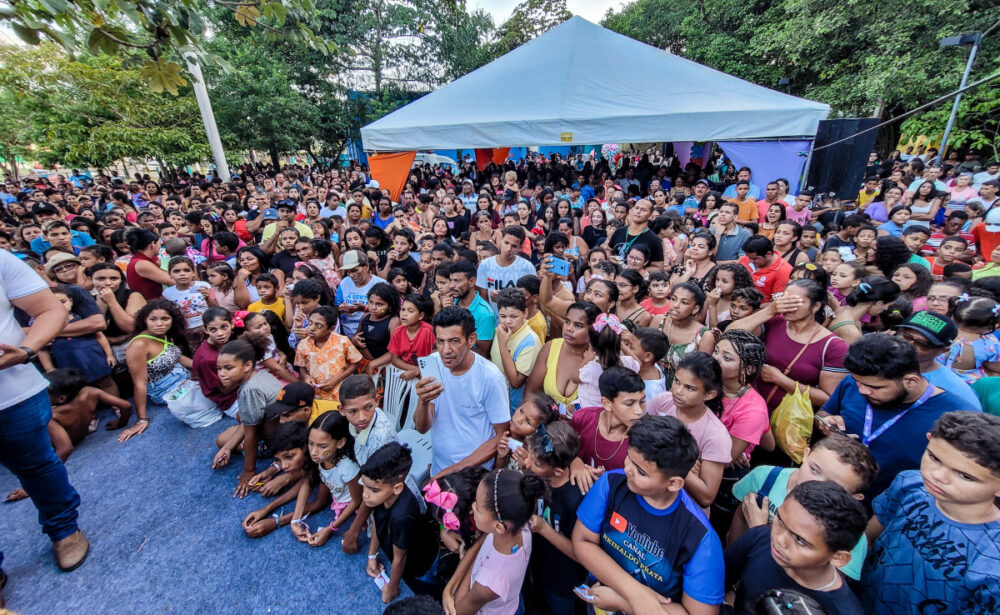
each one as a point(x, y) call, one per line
point(400, 530)
point(812, 536)
point(554, 569)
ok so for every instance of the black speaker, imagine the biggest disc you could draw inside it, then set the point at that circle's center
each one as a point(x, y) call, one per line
point(840, 168)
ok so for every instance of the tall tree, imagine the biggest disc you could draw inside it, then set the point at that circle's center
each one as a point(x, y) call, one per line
point(530, 19)
point(162, 29)
point(94, 110)
point(862, 58)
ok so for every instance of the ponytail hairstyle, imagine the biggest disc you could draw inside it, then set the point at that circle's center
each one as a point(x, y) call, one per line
point(811, 271)
point(336, 426)
point(545, 405)
point(511, 496)
point(873, 289)
point(635, 279)
point(897, 311)
point(243, 349)
point(606, 339)
point(216, 313)
point(708, 370)
point(696, 292)
point(975, 312)
point(751, 352)
point(223, 269)
point(139, 239)
point(463, 484)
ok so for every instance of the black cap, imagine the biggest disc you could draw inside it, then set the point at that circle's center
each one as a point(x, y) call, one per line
point(286, 204)
point(939, 330)
point(45, 208)
point(290, 397)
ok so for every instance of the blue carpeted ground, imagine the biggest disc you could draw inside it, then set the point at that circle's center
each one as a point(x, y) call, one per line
point(166, 538)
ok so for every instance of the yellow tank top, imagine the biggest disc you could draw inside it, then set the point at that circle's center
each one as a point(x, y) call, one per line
point(550, 384)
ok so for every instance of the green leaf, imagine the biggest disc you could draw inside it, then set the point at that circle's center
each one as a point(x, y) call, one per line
point(55, 7)
point(162, 76)
point(26, 34)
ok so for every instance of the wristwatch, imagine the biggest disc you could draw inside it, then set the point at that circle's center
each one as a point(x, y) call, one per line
point(31, 354)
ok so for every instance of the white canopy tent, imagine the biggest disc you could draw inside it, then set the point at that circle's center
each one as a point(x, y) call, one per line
point(581, 84)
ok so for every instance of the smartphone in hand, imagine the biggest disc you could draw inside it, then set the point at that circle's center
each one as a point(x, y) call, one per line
point(430, 366)
point(558, 266)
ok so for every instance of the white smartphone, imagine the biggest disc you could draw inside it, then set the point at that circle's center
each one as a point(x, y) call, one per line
point(430, 366)
point(513, 444)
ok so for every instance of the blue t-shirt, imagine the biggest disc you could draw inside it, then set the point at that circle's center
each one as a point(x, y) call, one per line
point(486, 320)
point(730, 192)
point(923, 562)
point(901, 446)
point(671, 551)
point(947, 380)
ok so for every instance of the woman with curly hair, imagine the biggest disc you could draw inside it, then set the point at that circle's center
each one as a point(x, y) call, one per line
point(157, 358)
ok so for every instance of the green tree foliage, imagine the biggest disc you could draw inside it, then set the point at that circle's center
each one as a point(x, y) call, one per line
point(530, 19)
point(160, 28)
point(863, 58)
point(92, 110)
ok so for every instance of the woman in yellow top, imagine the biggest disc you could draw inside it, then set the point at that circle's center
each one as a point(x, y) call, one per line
point(557, 369)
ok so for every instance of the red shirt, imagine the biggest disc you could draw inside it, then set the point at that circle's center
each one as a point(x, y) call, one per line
point(771, 279)
point(408, 349)
point(985, 240)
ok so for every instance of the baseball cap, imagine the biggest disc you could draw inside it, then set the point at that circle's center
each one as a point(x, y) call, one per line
point(286, 204)
point(270, 213)
point(290, 397)
point(374, 184)
point(939, 330)
point(703, 181)
point(993, 221)
point(44, 208)
point(59, 259)
point(352, 260)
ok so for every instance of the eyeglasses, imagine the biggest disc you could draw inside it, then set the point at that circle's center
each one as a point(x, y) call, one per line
point(918, 343)
point(64, 267)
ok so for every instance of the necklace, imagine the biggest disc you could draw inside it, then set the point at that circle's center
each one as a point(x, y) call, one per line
point(596, 431)
point(825, 586)
point(738, 392)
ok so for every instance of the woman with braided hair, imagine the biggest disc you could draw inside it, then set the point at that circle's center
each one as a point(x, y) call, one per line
point(744, 413)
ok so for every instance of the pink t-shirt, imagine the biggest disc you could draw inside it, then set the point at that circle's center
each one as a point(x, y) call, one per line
point(502, 574)
point(588, 393)
point(714, 443)
point(802, 217)
point(746, 418)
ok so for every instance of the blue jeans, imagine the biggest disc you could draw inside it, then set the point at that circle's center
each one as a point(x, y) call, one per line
point(26, 450)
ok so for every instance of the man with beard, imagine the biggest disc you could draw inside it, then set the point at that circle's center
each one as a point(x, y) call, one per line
point(888, 403)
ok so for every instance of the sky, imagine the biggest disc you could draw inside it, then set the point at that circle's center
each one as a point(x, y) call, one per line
point(592, 10)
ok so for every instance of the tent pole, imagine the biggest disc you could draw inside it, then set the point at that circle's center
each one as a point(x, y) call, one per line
point(805, 169)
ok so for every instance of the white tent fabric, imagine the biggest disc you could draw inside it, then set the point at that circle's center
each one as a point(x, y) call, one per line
point(582, 84)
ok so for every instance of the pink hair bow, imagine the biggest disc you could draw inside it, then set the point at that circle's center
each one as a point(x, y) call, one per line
point(238, 318)
point(445, 500)
point(608, 320)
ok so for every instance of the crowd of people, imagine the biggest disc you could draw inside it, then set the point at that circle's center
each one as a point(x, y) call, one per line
point(646, 388)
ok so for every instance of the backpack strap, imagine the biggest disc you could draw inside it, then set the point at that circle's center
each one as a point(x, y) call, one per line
point(772, 476)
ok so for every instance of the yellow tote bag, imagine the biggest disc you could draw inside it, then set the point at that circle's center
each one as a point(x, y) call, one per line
point(792, 423)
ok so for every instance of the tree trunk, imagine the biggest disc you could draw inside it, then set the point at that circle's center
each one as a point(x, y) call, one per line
point(275, 158)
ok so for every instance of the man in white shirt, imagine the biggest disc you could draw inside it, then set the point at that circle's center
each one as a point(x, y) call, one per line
point(992, 172)
point(25, 447)
point(505, 269)
point(469, 407)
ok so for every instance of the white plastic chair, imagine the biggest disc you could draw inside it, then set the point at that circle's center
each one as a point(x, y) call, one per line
point(396, 395)
point(420, 448)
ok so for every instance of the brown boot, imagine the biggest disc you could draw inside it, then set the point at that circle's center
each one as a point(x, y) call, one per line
point(71, 551)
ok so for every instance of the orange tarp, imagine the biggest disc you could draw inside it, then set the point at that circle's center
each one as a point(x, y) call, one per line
point(391, 171)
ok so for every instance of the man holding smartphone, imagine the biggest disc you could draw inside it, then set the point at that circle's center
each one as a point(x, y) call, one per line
point(638, 231)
